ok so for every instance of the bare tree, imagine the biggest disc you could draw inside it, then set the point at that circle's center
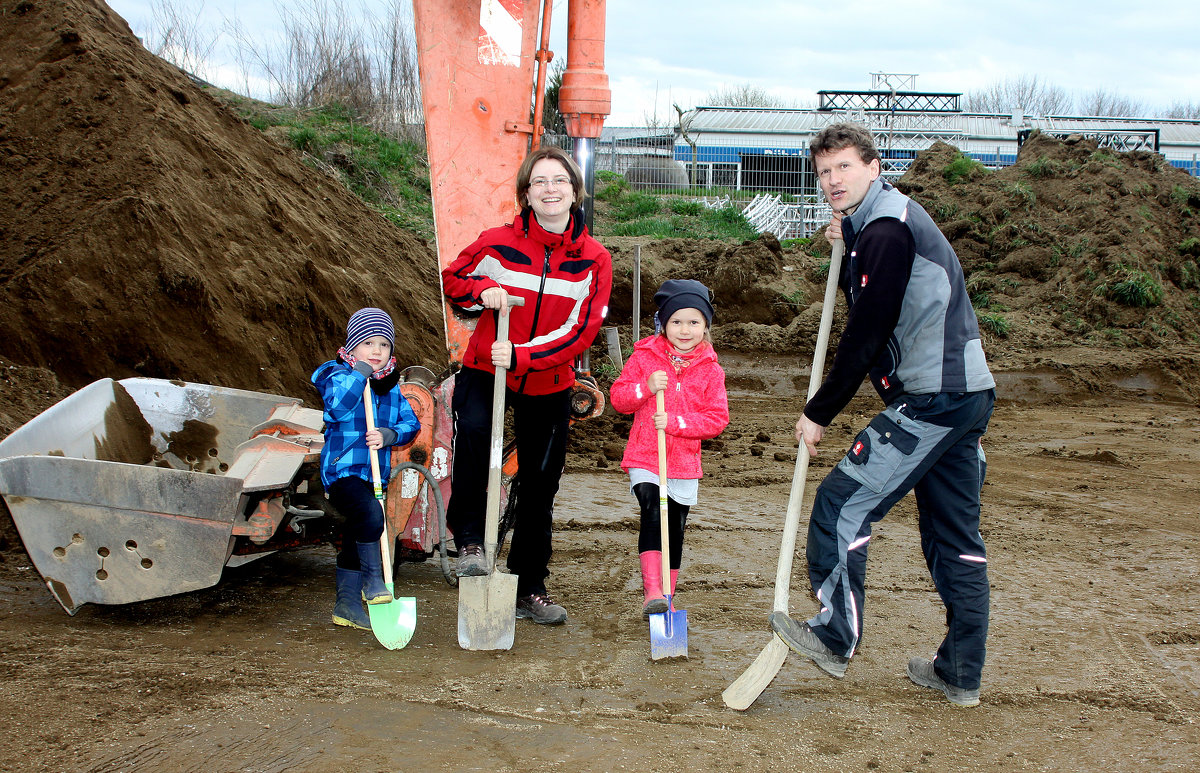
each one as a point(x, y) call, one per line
point(1026, 93)
point(653, 121)
point(743, 95)
point(1102, 102)
point(399, 88)
point(1186, 110)
point(177, 35)
point(364, 62)
point(685, 124)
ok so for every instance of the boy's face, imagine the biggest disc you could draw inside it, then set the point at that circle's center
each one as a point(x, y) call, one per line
point(685, 329)
point(844, 178)
point(376, 350)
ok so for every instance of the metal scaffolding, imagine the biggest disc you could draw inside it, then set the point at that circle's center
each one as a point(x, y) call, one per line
point(1117, 139)
point(901, 101)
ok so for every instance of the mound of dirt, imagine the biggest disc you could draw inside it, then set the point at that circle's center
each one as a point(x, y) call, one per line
point(150, 231)
point(766, 298)
point(1072, 245)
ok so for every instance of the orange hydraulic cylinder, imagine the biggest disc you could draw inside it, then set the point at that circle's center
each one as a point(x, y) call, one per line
point(584, 98)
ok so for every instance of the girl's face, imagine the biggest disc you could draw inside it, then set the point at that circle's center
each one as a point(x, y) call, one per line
point(376, 350)
point(685, 329)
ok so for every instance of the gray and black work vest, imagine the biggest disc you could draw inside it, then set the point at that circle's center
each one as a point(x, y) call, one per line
point(935, 346)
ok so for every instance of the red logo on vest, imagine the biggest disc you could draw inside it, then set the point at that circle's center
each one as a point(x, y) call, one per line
point(864, 280)
point(883, 380)
point(857, 448)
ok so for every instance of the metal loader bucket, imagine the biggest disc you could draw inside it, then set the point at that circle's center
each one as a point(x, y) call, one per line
point(120, 491)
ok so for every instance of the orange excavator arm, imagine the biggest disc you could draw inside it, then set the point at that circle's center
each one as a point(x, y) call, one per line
point(476, 66)
point(476, 60)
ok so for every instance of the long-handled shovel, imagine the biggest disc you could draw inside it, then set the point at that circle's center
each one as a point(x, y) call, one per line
point(747, 687)
point(668, 630)
point(487, 606)
point(393, 623)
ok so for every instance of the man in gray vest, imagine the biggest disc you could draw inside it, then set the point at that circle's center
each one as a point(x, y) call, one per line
point(912, 330)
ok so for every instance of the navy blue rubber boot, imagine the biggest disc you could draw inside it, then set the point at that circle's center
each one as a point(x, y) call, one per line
point(348, 610)
point(371, 561)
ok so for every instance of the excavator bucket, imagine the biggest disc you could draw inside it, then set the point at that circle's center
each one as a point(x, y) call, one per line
point(130, 490)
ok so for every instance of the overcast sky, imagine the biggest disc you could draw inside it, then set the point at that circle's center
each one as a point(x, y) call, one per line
point(660, 52)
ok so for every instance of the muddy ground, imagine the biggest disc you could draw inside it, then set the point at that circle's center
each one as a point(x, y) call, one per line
point(1092, 526)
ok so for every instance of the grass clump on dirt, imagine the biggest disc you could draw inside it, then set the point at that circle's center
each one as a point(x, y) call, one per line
point(961, 168)
point(1133, 287)
point(391, 174)
point(994, 324)
point(621, 211)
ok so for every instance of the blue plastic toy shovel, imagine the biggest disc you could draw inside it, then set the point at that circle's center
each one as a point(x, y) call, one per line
point(392, 623)
point(668, 630)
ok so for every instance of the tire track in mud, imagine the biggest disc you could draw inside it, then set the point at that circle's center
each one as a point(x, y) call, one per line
point(285, 745)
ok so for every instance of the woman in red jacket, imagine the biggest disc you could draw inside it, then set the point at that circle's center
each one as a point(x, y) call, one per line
point(564, 275)
point(681, 362)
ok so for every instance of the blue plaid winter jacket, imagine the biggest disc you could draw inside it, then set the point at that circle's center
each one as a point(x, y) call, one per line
point(345, 452)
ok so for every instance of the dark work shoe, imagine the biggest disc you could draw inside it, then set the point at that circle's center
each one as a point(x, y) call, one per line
point(922, 672)
point(471, 561)
point(800, 637)
point(541, 609)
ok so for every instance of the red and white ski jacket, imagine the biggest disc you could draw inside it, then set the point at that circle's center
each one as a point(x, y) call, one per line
point(565, 280)
point(697, 407)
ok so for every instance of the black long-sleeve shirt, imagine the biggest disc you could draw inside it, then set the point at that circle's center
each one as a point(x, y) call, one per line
point(874, 280)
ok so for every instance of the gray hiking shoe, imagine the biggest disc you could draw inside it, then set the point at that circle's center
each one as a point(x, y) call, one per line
point(471, 561)
point(541, 609)
point(921, 671)
point(800, 637)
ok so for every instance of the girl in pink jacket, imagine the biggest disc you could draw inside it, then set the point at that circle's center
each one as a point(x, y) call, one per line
point(678, 360)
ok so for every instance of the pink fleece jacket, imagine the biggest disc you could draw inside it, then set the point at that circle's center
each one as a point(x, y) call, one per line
point(697, 407)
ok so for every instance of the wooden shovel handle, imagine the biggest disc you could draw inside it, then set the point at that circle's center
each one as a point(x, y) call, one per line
point(783, 571)
point(491, 528)
point(384, 538)
point(664, 532)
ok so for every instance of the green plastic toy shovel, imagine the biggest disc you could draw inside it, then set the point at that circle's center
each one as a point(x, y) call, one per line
point(392, 623)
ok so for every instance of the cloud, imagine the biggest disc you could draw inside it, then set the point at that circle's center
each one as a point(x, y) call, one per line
point(660, 52)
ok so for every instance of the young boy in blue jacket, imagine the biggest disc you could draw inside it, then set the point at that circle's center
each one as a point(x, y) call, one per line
point(345, 458)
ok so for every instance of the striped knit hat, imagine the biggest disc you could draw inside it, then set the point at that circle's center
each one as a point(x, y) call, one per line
point(368, 322)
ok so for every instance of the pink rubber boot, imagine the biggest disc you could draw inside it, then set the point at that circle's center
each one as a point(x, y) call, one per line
point(655, 602)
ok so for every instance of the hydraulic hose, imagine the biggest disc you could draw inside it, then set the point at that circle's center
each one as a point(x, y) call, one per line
point(451, 578)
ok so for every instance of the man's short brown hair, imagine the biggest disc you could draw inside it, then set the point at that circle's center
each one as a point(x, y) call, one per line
point(838, 136)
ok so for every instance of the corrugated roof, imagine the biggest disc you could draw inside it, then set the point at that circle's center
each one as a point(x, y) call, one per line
point(973, 126)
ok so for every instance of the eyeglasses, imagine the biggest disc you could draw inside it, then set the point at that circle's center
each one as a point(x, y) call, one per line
point(542, 182)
